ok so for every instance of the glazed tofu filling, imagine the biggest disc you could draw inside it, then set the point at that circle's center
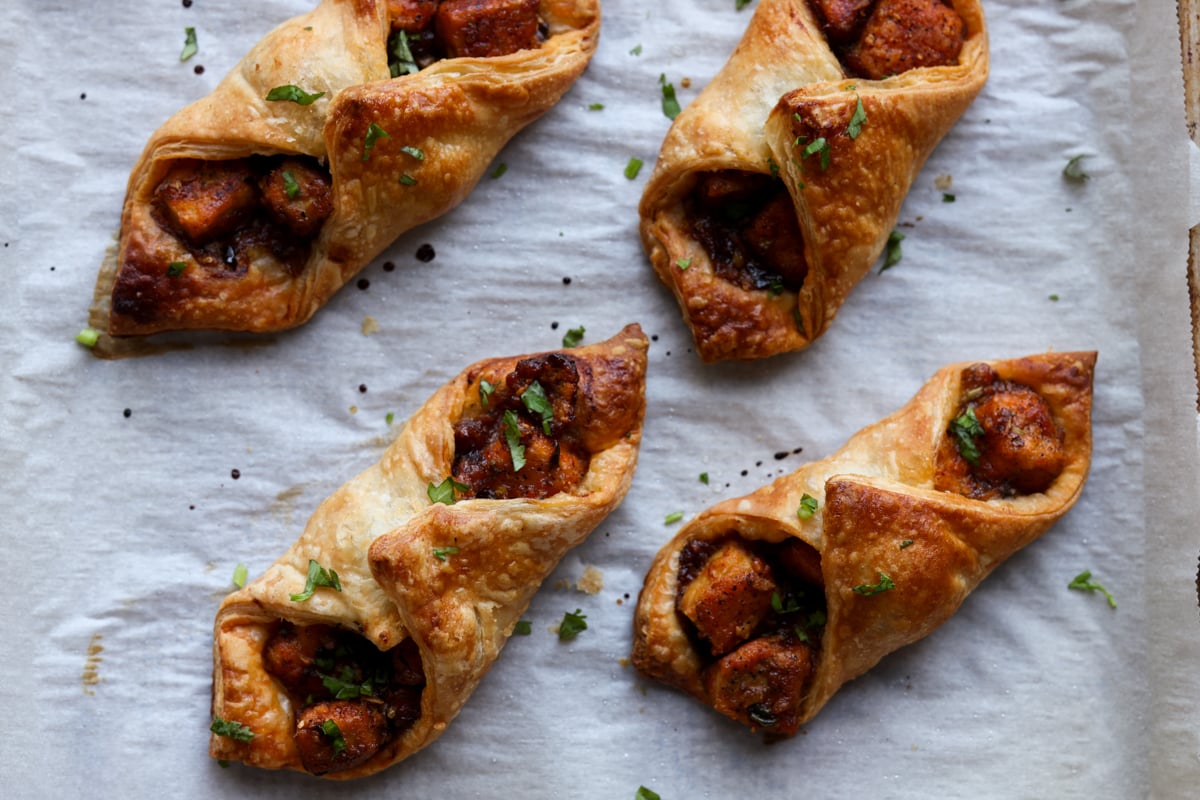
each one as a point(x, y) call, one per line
point(523, 440)
point(230, 213)
point(1002, 441)
point(425, 31)
point(351, 698)
point(876, 39)
point(756, 611)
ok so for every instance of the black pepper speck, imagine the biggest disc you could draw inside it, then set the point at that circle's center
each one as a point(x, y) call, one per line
point(388, 266)
point(187, 3)
point(83, 95)
point(425, 253)
point(235, 474)
point(363, 284)
point(198, 69)
point(781, 455)
point(654, 337)
point(362, 388)
point(566, 281)
point(745, 472)
point(128, 413)
point(553, 326)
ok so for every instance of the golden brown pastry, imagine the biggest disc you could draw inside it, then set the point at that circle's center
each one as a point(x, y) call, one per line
point(339, 131)
point(361, 643)
point(777, 188)
point(764, 605)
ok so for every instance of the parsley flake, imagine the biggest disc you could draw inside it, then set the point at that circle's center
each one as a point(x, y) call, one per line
point(331, 730)
point(444, 491)
point(344, 687)
point(190, 48)
point(820, 148)
point(966, 429)
point(1083, 582)
point(390, 418)
point(239, 575)
point(906, 544)
point(573, 336)
point(485, 392)
point(415, 152)
point(293, 94)
point(500, 169)
point(535, 400)
point(636, 51)
point(400, 57)
point(595, 106)
point(777, 604)
point(670, 106)
point(572, 625)
point(176, 268)
point(317, 577)
point(948, 198)
point(869, 589)
point(407, 180)
point(673, 517)
point(290, 187)
point(512, 435)
point(856, 120)
point(742, 4)
point(633, 168)
point(374, 134)
point(232, 730)
point(643, 793)
point(683, 263)
point(88, 337)
point(1073, 171)
point(808, 506)
point(892, 254)
point(704, 478)
point(442, 553)
point(523, 628)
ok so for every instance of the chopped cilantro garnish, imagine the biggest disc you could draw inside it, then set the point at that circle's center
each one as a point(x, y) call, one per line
point(444, 491)
point(400, 57)
point(239, 575)
point(778, 606)
point(512, 435)
point(190, 48)
point(683, 263)
point(407, 180)
point(290, 187)
point(808, 506)
point(868, 589)
point(344, 687)
point(906, 544)
point(643, 793)
point(331, 730)
point(704, 478)
point(573, 336)
point(535, 400)
point(232, 730)
point(633, 168)
point(523, 628)
point(670, 106)
point(1083, 582)
point(374, 134)
point(948, 198)
point(500, 169)
point(415, 152)
point(966, 429)
point(485, 392)
point(636, 51)
point(572, 625)
point(88, 337)
point(442, 553)
point(176, 268)
point(1073, 171)
point(293, 94)
point(856, 120)
point(892, 254)
point(390, 418)
point(317, 577)
point(595, 106)
point(820, 148)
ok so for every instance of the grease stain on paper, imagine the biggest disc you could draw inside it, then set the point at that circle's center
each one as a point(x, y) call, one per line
point(91, 665)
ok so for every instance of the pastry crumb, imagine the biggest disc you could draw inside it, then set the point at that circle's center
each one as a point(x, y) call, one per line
point(591, 581)
point(624, 662)
point(370, 325)
point(942, 182)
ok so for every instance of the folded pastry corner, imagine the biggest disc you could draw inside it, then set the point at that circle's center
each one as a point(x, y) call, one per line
point(337, 132)
point(776, 190)
point(764, 605)
point(361, 643)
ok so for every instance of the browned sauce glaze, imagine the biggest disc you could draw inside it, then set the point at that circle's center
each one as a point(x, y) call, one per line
point(352, 699)
point(436, 29)
point(747, 226)
point(876, 40)
point(555, 458)
point(755, 611)
point(1015, 447)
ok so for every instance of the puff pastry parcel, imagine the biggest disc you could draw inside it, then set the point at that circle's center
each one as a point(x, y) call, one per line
point(336, 133)
point(361, 643)
point(764, 605)
point(777, 189)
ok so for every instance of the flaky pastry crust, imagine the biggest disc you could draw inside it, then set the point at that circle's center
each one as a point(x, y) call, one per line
point(458, 112)
point(380, 531)
point(783, 85)
point(878, 513)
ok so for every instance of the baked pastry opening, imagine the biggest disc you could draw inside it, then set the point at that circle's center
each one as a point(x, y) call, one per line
point(756, 612)
point(350, 698)
point(523, 440)
point(876, 39)
point(425, 31)
point(1002, 440)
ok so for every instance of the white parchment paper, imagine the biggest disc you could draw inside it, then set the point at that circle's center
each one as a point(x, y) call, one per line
point(122, 523)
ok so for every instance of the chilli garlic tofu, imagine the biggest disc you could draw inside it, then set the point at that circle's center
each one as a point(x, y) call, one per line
point(761, 221)
point(362, 642)
point(340, 130)
point(762, 606)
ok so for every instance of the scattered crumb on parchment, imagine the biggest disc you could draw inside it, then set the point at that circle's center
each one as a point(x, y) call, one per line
point(591, 581)
point(624, 661)
point(942, 182)
point(370, 325)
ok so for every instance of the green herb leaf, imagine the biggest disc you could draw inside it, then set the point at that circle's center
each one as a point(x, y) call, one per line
point(500, 169)
point(232, 730)
point(1054, 298)
point(523, 628)
point(485, 392)
point(442, 553)
point(867, 589)
point(400, 57)
point(1073, 171)
point(407, 180)
point(290, 187)
point(633, 168)
point(808, 506)
point(535, 400)
point(344, 688)
point(774, 167)
point(573, 336)
point(704, 478)
point(293, 94)
point(595, 106)
point(906, 544)
point(670, 106)
point(643, 793)
point(856, 120)
point(948, 198)
point(318, 576)
point(444, 491)
point(1083, 582)
point(683, 263)
point(636, 51)
point(512, 435)
point(779, 608)
point(415, 152)
point(390, 418)
point(743, 3)
point(892, 254)
point(88, 337)
point(820, 148)
point(239, 575)
point(966, 429)
point(331, 730)
point(572, 625)
point(374, 134)
point(176, 268)
point(673, 517)
point(190, 48)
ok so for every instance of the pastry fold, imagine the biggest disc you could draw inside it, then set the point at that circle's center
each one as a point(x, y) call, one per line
point(784, 106)
point(397, 152)
point(451, 579)
point(890, 556)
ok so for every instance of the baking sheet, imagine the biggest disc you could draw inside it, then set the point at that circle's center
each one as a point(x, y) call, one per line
point(124, 522)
